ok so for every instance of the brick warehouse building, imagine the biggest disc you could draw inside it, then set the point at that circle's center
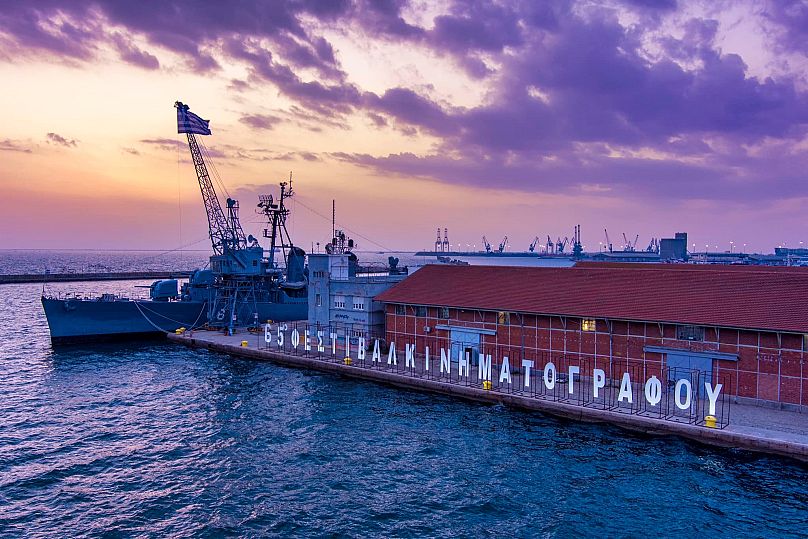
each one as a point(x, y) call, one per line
point(746, 325)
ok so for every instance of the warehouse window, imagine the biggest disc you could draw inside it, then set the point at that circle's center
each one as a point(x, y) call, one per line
point(420, 310)
point(588, 324)
point(690, 333)
point(504, 318)
point(401, 309)
point(318, 300)
point(339, 302)
point(359, 304)
point(444, 312)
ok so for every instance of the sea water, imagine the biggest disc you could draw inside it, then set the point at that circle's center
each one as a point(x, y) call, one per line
point(155, 439)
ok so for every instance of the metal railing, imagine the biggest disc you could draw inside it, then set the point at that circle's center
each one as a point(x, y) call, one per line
point(671, 394)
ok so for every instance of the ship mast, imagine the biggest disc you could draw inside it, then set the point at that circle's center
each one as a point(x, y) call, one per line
point(276, 214)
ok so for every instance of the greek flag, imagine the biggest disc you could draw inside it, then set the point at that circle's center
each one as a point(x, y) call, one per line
point(188, 122)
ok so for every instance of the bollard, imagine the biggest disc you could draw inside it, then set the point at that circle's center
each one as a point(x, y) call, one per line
point(709, 421)
point(348, 360)
point(244, 344)
point(487, 385)
point(179, 331)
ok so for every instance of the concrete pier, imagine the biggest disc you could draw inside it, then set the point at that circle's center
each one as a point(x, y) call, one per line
point(754, 428)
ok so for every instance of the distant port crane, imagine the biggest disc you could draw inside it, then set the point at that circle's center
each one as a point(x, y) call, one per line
point(628, 246)
point(503, 244)
point(533, 244)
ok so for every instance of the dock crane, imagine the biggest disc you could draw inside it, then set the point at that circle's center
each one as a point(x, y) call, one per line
point(608, 241)
point(628, 246)
point(561, 245)
point(577, 246)
point(503, 244)
point(533, 244)
point(487, 245)
point(225, 233)
point(550, 245)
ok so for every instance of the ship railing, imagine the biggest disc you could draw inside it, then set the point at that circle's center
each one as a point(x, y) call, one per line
point(86, 296)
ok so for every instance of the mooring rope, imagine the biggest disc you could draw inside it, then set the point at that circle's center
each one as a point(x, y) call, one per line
point(145, 317)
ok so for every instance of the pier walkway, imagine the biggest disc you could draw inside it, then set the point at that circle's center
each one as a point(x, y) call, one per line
point(754, 428)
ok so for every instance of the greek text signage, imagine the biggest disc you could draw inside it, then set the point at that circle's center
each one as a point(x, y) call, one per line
point(679, 391)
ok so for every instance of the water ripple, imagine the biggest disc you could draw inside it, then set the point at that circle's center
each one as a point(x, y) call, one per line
point(158, 440)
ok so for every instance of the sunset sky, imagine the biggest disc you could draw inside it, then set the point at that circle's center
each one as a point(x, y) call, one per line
point(517, 118)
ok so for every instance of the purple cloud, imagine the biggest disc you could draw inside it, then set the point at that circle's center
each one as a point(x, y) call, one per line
point(69, 36)
point(260, 121)
point(131, 54)
point(54, 138)
point(174, 145)
point(8, 145)
point(166, 144)
point(581, 94)
point(792, 17)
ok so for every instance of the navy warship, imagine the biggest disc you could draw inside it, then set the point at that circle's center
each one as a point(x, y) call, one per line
point(244, 285)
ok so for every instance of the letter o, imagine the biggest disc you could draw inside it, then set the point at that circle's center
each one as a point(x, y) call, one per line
point(677, 394)
point(549, 382)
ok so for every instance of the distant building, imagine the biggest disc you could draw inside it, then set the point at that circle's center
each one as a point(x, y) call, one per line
point(674, 248)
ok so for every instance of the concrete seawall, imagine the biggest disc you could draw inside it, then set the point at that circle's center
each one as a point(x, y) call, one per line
point(777, 432)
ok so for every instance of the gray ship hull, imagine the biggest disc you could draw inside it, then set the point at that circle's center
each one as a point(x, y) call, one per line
point(83, 320)
point(88, 320)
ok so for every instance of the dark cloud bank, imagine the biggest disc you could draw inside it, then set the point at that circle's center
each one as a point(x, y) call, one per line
point(578, 103)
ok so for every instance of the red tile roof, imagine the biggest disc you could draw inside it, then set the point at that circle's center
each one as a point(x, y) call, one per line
point(692, 267)
point(754, 299)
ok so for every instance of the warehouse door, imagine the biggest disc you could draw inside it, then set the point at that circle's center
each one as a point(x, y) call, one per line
point(465, 341)
point(684, 365)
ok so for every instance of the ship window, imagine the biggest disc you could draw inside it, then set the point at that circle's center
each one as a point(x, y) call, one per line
point(339, 302)
point(255, 263)
point(444, 312)
point(588, 324)
point(318, 300)
point(504, 318)
point(420, 310)
point(401, 309)
point(690, 333)
point(359, 305)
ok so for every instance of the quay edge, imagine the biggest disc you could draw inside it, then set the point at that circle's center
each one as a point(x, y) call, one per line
point(714, 437)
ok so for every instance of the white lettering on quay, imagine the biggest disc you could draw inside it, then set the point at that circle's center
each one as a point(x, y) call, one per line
point(652, 389)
